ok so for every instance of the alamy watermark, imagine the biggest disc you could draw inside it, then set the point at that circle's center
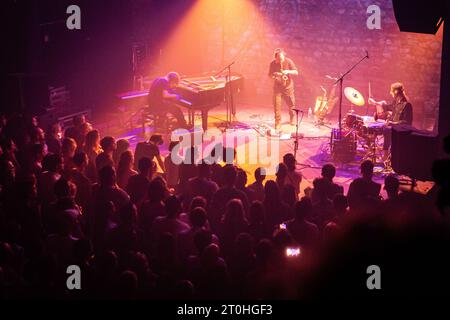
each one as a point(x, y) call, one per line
point(214, 146)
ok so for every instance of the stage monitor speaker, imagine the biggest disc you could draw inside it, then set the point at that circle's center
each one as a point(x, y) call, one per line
point(419, 15)
point(413, 151)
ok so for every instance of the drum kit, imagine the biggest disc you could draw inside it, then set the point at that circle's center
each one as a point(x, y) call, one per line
point(357, 129)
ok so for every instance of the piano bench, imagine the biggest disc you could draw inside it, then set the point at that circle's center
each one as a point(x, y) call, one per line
point(159, 122)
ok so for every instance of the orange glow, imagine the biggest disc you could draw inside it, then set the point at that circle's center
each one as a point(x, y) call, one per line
point(211, 34)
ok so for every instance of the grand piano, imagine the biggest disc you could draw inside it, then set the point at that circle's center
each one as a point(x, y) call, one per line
point(197, 93)
point(204, 93)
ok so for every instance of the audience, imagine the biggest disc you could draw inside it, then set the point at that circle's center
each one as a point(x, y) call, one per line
point(198, 230)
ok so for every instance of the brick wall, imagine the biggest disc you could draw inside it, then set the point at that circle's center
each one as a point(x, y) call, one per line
point(323, 37)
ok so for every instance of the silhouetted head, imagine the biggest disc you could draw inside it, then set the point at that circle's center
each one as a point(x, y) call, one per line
point(108, 144)
point(391, 185)
point(198, 217)
point(303, 208)
point(289, 161)
point(107, 176)
point(328, 171)
point(173, 207)
point(260, 174)
point(198, 201)
point(229, 175)
point(282, 172)
point(367, 169)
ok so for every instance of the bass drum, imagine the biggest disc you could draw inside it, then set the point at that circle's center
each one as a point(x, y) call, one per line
point(343, 145)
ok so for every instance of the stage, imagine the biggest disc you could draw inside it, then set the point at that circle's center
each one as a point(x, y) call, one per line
point(254, 120)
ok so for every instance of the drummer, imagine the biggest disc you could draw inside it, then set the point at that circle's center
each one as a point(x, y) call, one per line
point(399, 111)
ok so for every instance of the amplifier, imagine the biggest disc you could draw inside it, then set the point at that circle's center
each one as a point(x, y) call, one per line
point(413, 151)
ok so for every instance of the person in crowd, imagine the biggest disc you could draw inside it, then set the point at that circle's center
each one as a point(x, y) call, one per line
point(172, 169)
point(170, 222)
point(53, 138)
point(9, 150)
point(78, 130)
point(138, 184)
point(256, 189)
point(198, 219)
point(277, 211)
point(363, 191)
point(68, 148)
point(223, 195)
point(79, 178)
point(305, 233)
point(105, 158)
point(201, 185)
point(233, 223)
point(154, 205)
point(52, 167)
point(322, 206)
point(256, 225)
point(122, 146)
point(34, 164)
point(125, 236)
point(391, 185)
point(107, 190)
point(293, 176)
point(65, 192)
point(125, 168)
point(150, 149)
point(331, 188)
point(340, 206)
point(188, 168)
point(92, 148)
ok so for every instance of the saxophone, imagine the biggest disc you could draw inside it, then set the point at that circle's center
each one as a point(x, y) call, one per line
point(282, 78)
point(324, 104)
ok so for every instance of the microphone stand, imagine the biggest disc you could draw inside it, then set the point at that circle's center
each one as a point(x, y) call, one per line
point(229, 101)
point(296, 131)
point(341, 80)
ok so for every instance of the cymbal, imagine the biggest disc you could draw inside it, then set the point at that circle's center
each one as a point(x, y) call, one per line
point(354, 96)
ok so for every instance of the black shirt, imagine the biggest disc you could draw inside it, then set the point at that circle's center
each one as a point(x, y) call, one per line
point(145, 149)
point(401, 111)
point(275, 66)
point(155, 93)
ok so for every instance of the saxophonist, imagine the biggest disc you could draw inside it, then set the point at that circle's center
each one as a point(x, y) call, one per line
point(281, 70)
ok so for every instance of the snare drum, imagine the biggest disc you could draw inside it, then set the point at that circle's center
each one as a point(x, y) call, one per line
point(353, 121)
point(373, 128)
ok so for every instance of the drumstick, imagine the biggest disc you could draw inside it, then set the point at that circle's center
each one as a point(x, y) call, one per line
point(370, 97)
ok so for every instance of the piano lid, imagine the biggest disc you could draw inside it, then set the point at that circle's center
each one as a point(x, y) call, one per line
point(207, 82)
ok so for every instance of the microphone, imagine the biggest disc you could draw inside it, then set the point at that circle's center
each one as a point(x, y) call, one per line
point(367, 54)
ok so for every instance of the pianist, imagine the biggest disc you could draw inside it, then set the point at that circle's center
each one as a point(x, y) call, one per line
point(161, 99)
